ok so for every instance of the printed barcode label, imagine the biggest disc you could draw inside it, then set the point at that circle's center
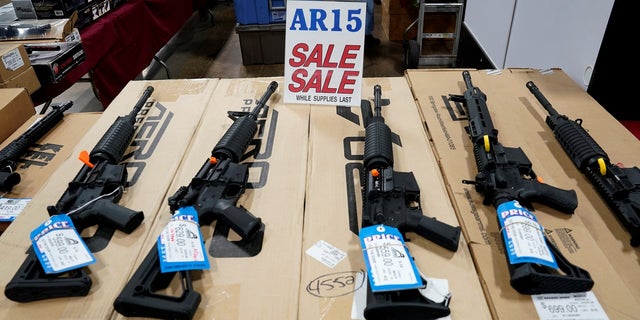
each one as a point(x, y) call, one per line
point(12, 60)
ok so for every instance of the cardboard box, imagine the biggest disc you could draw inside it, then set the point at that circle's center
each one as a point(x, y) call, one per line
point(517, 127)
point(622, 147)
point(264, 285)
point(166, 125)
point(333, 208)
point(27, 79)
point(52, 61)
point(39, 162)
point(15, 108)
point(14, 61)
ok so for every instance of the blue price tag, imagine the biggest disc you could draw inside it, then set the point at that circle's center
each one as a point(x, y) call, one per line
point(59, 247)
point(180, 245)
point(524, 236)
point(390, 266)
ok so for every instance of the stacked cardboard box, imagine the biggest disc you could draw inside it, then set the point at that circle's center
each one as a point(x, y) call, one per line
point(15, 108)
point(15, 68)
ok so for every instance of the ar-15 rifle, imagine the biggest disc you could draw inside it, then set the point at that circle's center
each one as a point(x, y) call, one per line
point(213, 193)
point(618, 187)
point(505, 175)
point(392, 198)
point(10, 154)
point(90, 199)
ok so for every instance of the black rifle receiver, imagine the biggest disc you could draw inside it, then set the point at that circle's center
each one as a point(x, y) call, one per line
point(213, 192)
point(392, 198)
point(618, 187)
point(10, 154)
point(506, 174)
point(90, 199)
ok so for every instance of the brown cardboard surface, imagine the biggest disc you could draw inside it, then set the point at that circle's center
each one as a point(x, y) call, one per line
point(41, 160)
point(26, 79)
point(13, 61)
point(328, 293)
point(623, 148)
point(15, 108)
point(169, 119)
point(264, 286)
point(517, 127)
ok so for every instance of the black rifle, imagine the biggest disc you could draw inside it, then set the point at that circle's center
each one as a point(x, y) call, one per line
point(392, 198)
point(90, 199)
point(505, 174)
point(618, 187)
point(10, 155)
point(213, 193)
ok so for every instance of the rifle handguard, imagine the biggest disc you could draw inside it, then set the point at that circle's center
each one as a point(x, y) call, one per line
point(618, 187)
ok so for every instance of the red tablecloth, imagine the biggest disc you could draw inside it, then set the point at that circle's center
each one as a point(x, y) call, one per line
point(119, 45)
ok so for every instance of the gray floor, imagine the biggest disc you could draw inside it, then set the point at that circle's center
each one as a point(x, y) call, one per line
point(208, 46)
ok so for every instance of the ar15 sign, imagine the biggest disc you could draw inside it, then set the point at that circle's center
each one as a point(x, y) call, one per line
point(324, 52)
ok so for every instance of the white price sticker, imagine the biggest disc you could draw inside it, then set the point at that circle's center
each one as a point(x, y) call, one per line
point(12, 60)
point(11, 208)
point(523, 236)
point(569, 306)
point(324, 252)
point(181, 241)
point(180, 245)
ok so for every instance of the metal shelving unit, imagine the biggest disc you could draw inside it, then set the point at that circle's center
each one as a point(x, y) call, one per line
point(438, 35)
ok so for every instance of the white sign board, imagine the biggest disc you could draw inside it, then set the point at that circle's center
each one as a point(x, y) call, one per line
point(324, 52)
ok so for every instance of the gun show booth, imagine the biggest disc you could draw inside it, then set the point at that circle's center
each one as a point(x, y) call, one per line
point(118, 42)
point(444, 193)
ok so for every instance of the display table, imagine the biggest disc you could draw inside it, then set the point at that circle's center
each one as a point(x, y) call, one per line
point(121, 44)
